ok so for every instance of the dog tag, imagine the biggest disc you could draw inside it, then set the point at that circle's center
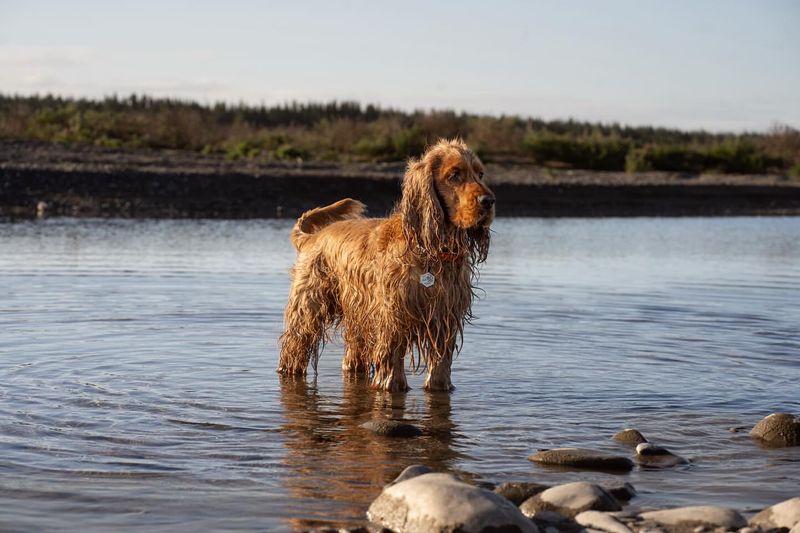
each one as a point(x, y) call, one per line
point(427, 279)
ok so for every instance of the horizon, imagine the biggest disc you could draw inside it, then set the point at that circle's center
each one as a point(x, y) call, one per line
point(683, 65)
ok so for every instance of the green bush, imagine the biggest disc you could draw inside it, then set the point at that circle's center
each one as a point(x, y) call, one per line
point(596, 154)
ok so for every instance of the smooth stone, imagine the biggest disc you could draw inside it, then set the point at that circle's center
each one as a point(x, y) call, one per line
point(701, 515)
point(582, 458)
point(778, 429)
point(622, 491)
point(518, 492)
point(392, 428)
point(601, 521)
point(440, 502)
point(409, 472)
point(629, 436)
point(570, 499)
point(784, 514)
point(651, 455)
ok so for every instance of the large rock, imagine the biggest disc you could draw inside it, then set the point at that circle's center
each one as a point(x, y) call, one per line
point(571, 499)
point(778, 429)
point(629, 436)
point(785, 514)
point(706, 516)
point(601, 521)
point(518, 492)
point(582, 458)
point(441, 503)
point(409, 472)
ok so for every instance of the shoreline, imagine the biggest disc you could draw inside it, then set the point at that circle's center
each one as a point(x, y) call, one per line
point(41, 179)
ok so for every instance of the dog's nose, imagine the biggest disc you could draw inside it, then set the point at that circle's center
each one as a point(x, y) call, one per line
point(486, 201)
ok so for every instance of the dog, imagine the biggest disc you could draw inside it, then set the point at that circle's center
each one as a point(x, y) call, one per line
point(397, 286)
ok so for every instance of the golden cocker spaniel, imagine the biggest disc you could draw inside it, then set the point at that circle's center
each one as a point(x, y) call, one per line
point(397, 286)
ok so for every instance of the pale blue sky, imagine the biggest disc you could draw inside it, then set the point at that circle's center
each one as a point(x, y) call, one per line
point(718, 65)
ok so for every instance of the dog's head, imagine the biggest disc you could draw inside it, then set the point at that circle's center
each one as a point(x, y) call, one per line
point(445, 200)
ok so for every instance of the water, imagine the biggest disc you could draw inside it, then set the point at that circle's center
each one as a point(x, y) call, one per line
point(137, 384)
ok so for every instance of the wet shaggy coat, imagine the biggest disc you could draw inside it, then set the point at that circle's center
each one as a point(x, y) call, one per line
point(362, 274)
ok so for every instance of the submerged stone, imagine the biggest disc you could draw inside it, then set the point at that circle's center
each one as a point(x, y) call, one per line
point(392, 428)
point(629, 436)
point(657, 456)
point(778, 430)
point(582, 458)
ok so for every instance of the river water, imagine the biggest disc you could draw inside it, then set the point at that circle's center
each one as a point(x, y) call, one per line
point(137, 383)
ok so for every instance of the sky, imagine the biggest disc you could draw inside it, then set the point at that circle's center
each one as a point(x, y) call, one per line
point(723, 65)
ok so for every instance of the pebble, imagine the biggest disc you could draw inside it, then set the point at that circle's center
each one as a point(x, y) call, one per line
point(785, 514)
point(392, 428)
point(440, 502)
point(778, 430)
point(629, 436)
point(570, 499)
point(582, 458)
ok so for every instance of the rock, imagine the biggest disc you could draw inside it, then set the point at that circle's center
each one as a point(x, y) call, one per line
point(440, 502)
point(570, 499)
point(409, 472)
point(601, 521)
point(518, 492)
point(706, 516)
point(629, 436)
point(392, 428)
point(622, 491)
point(785, 514)
point(778, 430)
point(582, 458)
point(657, 456)
point(553, 522)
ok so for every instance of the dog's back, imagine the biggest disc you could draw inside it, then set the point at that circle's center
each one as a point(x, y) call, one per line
point(315, 219)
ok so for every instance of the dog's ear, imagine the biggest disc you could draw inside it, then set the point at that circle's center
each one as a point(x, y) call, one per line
point(420, 208)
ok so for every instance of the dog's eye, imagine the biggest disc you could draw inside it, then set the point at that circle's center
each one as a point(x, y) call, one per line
point(455, 176)
point(480, 175)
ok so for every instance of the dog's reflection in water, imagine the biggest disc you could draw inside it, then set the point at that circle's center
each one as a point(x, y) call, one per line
point(336, 468)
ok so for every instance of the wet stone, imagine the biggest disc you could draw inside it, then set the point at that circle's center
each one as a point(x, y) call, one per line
point(582, 458)
point(411, 471)
point(571, 499)
point(629, 436)
point(689, 518)
point(392, 428)
point(778, 430)
point(440, 502)
point(621, 491)
point(657, 456)
point(518, 492)
point(602, 522)
point(785, 514)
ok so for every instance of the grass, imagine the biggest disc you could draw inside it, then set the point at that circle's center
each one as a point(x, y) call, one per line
point(348, 131)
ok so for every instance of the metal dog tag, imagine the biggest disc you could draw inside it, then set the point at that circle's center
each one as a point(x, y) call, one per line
point(427, 279)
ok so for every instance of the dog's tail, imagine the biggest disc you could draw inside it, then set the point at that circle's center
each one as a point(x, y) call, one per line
point(315, 219)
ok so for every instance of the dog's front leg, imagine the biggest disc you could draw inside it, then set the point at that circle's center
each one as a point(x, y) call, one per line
point(390, 375)
point(439, 363)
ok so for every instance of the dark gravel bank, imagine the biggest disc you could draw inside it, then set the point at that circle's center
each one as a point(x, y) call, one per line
point(88, 181)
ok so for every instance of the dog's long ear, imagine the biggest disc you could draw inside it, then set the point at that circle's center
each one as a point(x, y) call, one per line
point(420, 209)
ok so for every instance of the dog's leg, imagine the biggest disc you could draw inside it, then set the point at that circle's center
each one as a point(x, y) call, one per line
point(355, 356)
point(306, 318)
point(390, 375)
point(438, 378)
